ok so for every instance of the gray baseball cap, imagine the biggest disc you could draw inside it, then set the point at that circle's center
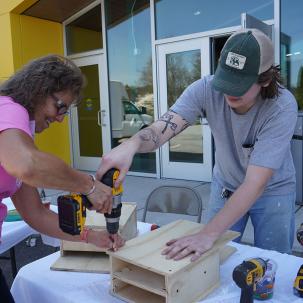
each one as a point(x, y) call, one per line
point(246, 54)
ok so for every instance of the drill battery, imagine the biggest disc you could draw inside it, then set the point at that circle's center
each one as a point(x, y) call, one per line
point(72, 213)
point(72, 208)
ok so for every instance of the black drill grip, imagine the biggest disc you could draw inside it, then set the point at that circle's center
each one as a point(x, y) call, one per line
point(86, 202)
point(108, 177)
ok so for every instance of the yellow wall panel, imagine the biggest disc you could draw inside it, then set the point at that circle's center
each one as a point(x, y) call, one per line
point(6, 58)
point(38, 38)
point(16, 41)
point(2, 80)
point(81, 40)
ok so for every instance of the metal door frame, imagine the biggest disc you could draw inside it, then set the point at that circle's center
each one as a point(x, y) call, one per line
point(184, 170)
point(92, 163)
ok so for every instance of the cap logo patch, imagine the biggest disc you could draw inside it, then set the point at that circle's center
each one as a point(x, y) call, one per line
point(235, 60)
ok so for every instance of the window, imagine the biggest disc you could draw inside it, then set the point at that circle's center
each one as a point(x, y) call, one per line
point(84, 33)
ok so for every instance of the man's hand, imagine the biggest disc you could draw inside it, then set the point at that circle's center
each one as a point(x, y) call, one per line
point(121, 158)
point(195, 244)
point(101, 198)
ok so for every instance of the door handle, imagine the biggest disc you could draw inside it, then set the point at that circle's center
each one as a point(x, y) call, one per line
point(99, 118)
point(102, 117)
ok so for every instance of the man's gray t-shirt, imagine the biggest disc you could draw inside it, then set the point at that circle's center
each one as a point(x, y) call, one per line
point(268, 126)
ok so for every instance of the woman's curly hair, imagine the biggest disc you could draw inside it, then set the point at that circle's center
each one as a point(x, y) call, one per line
point(41, 78)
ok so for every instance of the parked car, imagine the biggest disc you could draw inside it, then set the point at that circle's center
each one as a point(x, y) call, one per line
point(126, 118)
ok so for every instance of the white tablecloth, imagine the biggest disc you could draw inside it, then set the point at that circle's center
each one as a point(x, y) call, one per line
point(35, 282)
point(14, 232)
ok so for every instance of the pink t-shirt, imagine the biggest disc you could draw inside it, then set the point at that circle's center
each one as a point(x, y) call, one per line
point(12, 115)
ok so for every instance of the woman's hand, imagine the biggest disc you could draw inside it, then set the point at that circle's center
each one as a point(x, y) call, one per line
point(105, 240)
point(101, 198)
point(195, 244)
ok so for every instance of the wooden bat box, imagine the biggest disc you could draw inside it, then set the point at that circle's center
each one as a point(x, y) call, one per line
point(139, 273)
point(84, 257)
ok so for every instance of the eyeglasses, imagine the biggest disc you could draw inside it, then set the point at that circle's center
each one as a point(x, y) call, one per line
point(62, 108)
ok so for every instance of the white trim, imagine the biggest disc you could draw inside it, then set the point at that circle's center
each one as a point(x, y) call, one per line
point(85, 162)
point(184, 170)
point(155, 86)
point(139, 174)
point(70, 133)
point(104, 94)
point(81, 12)
point(86, 54)
point(277, 15)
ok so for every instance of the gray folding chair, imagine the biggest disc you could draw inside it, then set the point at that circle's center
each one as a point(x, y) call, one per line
point(174, 199)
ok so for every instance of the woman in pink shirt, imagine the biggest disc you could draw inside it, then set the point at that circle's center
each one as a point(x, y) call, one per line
point(36, 96)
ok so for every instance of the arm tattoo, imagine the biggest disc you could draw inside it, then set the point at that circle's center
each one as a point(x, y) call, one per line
point(148, 134)
point(166, 118)
point(184, 125)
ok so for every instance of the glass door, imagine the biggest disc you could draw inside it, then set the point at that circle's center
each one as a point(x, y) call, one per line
point(189, 154)
point(90, 121)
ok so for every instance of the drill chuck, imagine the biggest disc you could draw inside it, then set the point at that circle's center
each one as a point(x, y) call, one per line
point(112, 219)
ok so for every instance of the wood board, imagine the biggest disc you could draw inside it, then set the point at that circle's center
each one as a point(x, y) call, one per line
point(96, 221)
point(83, 262)
point(83, 257)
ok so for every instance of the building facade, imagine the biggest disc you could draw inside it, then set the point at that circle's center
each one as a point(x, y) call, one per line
point(138, 56)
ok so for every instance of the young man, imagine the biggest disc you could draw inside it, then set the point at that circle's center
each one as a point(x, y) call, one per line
point(252, 119)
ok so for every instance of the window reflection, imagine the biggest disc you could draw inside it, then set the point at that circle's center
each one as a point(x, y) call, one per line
point(175, 18)
point(130, 73)
point(292, 47)
point(183, 68)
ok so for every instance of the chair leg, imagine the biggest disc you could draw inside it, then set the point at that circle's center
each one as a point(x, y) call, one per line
point(13, 261)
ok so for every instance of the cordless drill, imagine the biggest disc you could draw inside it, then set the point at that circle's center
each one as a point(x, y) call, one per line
point(72, 208)
point(300, 234)
point(246, 275)
point(298, 283)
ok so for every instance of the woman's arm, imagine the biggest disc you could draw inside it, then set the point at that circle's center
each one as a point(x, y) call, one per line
point(30, 207)
point(21, 159)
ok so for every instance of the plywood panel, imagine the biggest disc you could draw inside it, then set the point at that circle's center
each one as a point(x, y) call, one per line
point(145, 251)
point(84, 257)
point(83, 262)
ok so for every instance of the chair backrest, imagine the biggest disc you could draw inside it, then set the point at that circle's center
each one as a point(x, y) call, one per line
point(174, 199)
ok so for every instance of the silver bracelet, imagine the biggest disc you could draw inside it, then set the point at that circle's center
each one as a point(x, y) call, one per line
point(93, 187)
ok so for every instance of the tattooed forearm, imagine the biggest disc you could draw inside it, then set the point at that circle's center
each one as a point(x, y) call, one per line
point(185, 125)
point(166, 118)
point(155, 135)
point(149, 135)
